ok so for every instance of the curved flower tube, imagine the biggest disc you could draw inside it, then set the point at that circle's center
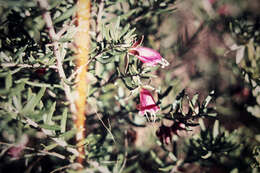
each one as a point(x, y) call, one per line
point(147, 103)
point(148, 56)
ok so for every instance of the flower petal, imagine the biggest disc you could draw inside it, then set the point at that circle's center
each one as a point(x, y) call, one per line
point(147, 103)
point(148, 56)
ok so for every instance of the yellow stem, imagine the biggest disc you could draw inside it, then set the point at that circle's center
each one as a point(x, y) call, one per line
point(82, 41)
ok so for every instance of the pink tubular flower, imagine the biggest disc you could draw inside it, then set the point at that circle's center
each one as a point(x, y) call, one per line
point(147, 103)
point(148, 56)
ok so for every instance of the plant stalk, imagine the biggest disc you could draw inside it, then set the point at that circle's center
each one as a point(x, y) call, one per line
point(82, 42)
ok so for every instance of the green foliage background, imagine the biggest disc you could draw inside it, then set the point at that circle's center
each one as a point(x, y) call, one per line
point(211, 86)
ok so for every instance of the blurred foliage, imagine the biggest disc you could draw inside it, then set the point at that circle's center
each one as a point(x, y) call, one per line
point(245, 30)
point(210, 145)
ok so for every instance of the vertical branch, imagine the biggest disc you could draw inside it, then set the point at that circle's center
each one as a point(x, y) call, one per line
point(43, 4)
point(82, 41)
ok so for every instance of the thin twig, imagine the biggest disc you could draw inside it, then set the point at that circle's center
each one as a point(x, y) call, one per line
point(89, 61)
point(54, 37)
point(72, 165)
point(29, 169)
point(57, 140)
point(25, 65)
point(99, 167)
point(126, 153)
point(79, 70)
point(109, 131)
point(99, 19)
point(40, 151)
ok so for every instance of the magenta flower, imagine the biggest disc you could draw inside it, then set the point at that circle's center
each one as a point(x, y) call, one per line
point(148, 56)
point(147, 103)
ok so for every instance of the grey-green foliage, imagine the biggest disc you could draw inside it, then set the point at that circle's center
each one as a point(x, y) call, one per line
point(256, 154)
point(31, 96)
point(32, 99)
point(245, 30)
point(196, 109)
point(211, 144)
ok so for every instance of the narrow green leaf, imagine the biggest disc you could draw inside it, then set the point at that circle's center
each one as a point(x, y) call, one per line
point(116, 30)
point(156, 158)
point(43, 85)
point(106, 32)
point(50, 127)
point(29, 107)
point(64, 120)
point(119, 162)
point(50, 147)
point(208, 155)
point(68, 82)
point(105, 59)
point(112, 31)
point(130, 13)
point(194, 99)
point(128, 83)
point(216, 129)
point(202, 125)
point(103, 31)
point(212, 114)
point(17, 102)
point(8, 81)
point(177, 104)
point(172, 156)
point(65, 15)
point(17, 89)
point(167, 168)
point(16, 70)
point(69, 134)
point(208, 99)
point(168, 10)
point(47, 57)
point(19, 52)
point(129, 33)
point(124, 31)
point(54, 4)
point(29, 94)
point(50, 114)
point(92, 91)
